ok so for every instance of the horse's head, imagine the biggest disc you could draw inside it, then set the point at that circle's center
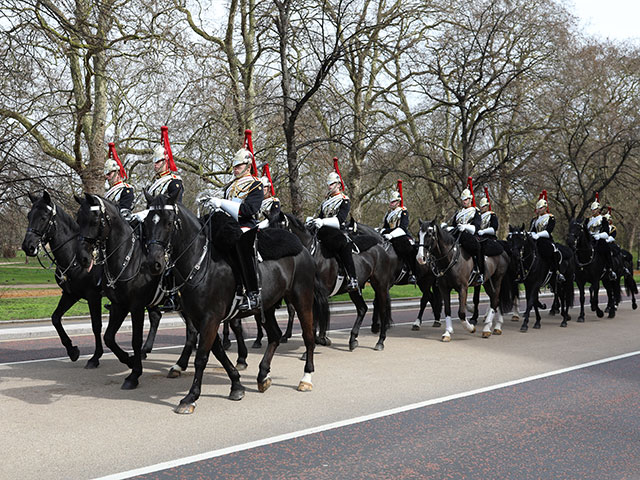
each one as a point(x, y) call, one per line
point(428, 235)
point(94, 224)
point(279, 220)
point(518, 238)
point(159, 226)
point(575, 232)
point(42, 221)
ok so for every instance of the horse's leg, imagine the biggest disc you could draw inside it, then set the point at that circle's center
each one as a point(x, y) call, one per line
point(384, 307)
point(154, 320)
point(137, 324)
point(375, 318)
point(236, 326)
point(536, 306)
point(529, 295)
point(462, 307)
point(291, 313)
point(493, 305)
point(64, 304)
point(273, 336)
point(564, 306)
point(257, 343)
point(581, 293)
point(116, 317)
point(95, 310)
point(361, 310)
point(208, 335)
point(611, 299)
point(446, 296)
point(497, 329)
point(436, 305)
point(423, 304)
point(304, 307)
point(595, 290)
point(555, 306)
point(191, 337)
point(476, 301)
point(226, 342)
point(237, 389)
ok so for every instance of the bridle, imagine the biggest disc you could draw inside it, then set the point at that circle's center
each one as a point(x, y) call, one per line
point(431, 233)
point(592, 250)
point(167, 247)
point(521, 257)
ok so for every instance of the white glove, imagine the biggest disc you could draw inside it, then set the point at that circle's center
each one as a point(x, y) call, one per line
point(610, 239)
point(461, 227)
point(534, 235)
point(214, 202)
point(319, 223)
point(387, 236)
point(263, 224)
point(308, 220)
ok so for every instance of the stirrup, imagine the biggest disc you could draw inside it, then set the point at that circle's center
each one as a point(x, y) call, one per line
point(352, 286)
point(560, 277)
point(412, 279)
point(612, 275)
point(250, 301)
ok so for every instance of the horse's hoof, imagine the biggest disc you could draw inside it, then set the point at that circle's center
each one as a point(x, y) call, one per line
point(446, 338)
point(634, 305)
point(92, 363)
point(129, 384)
point(543, 306)
point(226, 344)
point(241, 366)
point(379, 347)
point(375, 328)
point(305, 387)
point(74, 353)
point(552, 312)
point(353, 345)
point(235, 395)
point(536, 326)
point(497, 331)
point(486, 334)
point(580, 320)
point(599, 313)
point(612, 314)
point(185, 408)
point(174, 372)
point(563, 323)
point(523, 328)
point(263, 386)
point(415, 327)
point(143, 355)
point(284, 339)
point(258, 344)
point(436, 323)
point(324, 341)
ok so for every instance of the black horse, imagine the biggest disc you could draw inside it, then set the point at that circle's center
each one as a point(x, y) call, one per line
point(207, 286)
point(590, 268)
point(106, 238)
point(373, 264)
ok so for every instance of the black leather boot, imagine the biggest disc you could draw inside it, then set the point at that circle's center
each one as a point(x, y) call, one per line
point(246, 258)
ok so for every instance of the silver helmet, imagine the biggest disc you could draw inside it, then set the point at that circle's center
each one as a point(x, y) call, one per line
point(242, 157)
point(110, 165)
point(333, 177)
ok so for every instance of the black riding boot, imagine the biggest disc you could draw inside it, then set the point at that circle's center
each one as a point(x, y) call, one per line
point(247, 260)
point(555, 266)
point(478, 265)
point(608, 260)
point(347, 263)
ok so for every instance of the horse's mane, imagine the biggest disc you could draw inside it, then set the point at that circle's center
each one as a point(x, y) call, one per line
point(446, 236)
point(297, 223)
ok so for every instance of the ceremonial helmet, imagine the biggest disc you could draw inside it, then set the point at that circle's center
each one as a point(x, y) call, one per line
point(158, 153)
point(395, 197)
point(607, 216)
point(242, 156)
point(595, 205)
point(542, 203)
point(466, 194)
point(483, 202)
point(265, 182)
point(110, 165)
point(333, 177)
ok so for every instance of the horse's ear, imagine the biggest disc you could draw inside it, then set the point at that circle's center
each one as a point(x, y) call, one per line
point(148, 197)
point(46, 197)
point(78, 199)
point(32, 197)
point(522, 227)
point(420, 222)
point(510, 228)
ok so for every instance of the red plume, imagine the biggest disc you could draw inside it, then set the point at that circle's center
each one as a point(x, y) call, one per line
point(400, 191)
point(486, 195)
point(113, 154)
point(335, 167)
point(248, 144)
point(609, 209)
point(164, 139)
point(266, 172)
point(470, 185)
point(597, 197)
point(544, 194)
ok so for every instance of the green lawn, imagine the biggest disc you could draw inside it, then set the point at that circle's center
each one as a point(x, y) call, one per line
point(15, 275)
point(39, 307)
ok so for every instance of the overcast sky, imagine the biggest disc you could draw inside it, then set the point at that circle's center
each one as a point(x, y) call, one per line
point(614, 19)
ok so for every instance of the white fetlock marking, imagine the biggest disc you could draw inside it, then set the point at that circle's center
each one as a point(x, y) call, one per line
point(306, 378)
point(177, 367)
point(499, 320)
point(448, 326)
point(417, 323)
point(488, 321)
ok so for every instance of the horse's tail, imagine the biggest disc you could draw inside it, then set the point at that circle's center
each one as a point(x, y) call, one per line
point(321, 312)
point(630, 285)
point(509, 291)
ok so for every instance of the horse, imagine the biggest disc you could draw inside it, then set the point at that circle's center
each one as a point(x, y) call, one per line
point(626, 271)
point(372, 264)
point(106, 238)
point(453, 266)
point(177, 239)
point(590, 268)
point(425, 280)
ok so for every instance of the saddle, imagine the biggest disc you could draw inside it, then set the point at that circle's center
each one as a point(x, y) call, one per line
point(491, 247)
point(275, 243)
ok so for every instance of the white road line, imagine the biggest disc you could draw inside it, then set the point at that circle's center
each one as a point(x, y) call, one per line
point(343, 423)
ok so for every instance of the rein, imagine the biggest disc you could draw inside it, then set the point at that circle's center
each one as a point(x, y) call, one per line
point(521, 258)
point(433, 260)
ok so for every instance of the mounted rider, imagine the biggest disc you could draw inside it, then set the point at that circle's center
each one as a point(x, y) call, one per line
point(167, 180)
point(119, 192)
point(616, 251)
point(541, 227)
point(395, 228)
point(331, 224)
point(467, 221)
point(599, 231)
point(242, 201)
point(487, 234)
point(271, 204)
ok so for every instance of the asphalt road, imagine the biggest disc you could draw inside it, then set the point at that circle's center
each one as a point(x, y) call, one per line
point(419, 409)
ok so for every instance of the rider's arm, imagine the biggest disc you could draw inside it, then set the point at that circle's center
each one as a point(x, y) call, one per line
point(253, 201)
point(176, 185)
